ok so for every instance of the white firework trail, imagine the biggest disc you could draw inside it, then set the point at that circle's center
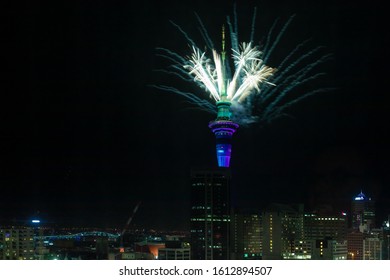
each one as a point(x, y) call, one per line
point(210, 73)
point(254, 85)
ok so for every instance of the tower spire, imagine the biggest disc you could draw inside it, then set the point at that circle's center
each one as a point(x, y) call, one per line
point(223, 40)
point(223, 60)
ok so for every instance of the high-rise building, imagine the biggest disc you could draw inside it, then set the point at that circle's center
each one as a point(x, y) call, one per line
point(363, 213)
point(210, 214)
point(326, 226)
point(283, 233)
point(372, 248)
point(246, 235)
point(355, 245)
point(386, 239)
point(329, 249)
point(327, 233)
point(17, 243)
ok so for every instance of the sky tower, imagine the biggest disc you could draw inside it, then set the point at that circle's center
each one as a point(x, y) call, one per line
point(223, 127)
point(238, 81)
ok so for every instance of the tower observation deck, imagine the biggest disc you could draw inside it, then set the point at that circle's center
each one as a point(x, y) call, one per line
point(223, 129)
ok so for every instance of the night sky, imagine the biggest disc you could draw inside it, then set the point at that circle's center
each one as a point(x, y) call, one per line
point(84, 137)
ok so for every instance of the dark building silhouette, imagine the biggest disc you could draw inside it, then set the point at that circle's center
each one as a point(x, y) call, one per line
point(283, 232)
point(327, 234)
point(363, 213)
point(210, 214)
point(175, 250)
point(102, 248)
point(332, 226)
point(355, 241)
point(246, 234)
point(386, 240)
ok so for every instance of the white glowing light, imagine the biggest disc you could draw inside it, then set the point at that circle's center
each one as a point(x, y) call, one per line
point(249, 74)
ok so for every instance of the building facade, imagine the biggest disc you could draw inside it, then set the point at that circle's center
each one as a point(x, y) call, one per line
point(210, 214)
point(355, 245)
point(246, 235)
point(175, 250)
point(329, 249)
point(283, 233)
point(17, 243)
point(372, 248)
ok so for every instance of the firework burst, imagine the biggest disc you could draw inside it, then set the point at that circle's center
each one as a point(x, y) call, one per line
point(256, 91)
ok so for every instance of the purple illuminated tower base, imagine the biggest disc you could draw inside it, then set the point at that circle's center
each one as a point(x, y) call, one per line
point(223, 129)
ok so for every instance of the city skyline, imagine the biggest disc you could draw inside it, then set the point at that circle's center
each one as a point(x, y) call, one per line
point(281, 231)
point(85, 136)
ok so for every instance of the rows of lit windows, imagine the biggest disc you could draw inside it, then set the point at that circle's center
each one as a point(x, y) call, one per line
point(329, 219)
point(209, 220)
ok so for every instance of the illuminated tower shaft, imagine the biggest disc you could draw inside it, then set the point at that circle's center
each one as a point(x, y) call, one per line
point(223, 129)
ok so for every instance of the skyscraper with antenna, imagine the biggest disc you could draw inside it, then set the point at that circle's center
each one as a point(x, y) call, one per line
point(238, 81)
point(223, 127)
point(363, 213)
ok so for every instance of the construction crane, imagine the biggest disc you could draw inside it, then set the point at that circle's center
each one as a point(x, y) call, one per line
point(122, 248)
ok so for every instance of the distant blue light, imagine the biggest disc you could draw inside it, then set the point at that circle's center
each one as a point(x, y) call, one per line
point(35, 221)
point(361, 196)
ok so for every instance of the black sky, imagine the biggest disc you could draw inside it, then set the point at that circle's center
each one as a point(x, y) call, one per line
point(84, 137)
